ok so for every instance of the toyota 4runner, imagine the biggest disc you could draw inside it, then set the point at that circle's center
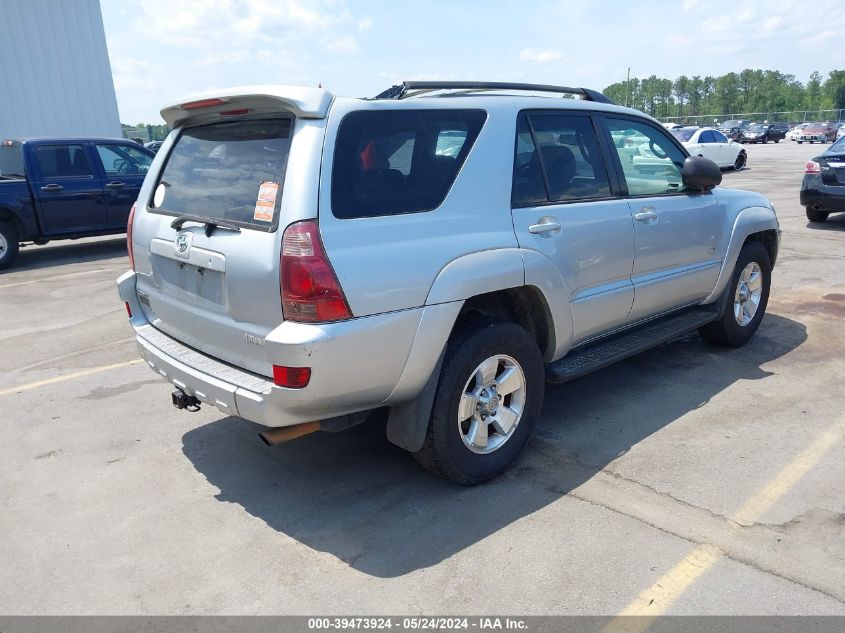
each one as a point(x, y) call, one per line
point(437, 253)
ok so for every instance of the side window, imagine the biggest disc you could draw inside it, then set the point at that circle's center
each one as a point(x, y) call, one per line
point(528, 186)
point(62, 161)
point(564, 148)
point(400, 161)
point(707, 136)
point(720, 138)
point(651, 162)
point(122, 160)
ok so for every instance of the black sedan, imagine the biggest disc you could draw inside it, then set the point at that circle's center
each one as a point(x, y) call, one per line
point(823, 187)
point(761, 133)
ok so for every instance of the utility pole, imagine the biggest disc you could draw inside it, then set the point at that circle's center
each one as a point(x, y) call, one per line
point(628, 89)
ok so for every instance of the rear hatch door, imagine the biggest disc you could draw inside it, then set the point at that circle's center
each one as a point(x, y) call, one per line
point(212, 280)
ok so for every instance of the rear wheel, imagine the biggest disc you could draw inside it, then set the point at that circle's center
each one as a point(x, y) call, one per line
point(489, 395)
point(746, 299)
point(817, 215)
point(8, 243)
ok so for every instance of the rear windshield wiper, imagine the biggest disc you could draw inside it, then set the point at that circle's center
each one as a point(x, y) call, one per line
point(211, 224)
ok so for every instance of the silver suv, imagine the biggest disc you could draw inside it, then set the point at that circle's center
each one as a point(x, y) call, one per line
point(436, 253)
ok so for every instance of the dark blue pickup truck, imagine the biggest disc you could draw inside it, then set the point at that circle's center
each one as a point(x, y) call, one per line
point(66, 188)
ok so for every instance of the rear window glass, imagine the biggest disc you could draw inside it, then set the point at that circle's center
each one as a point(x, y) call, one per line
point(390, 162)
point(683, 135)
point(230, 171)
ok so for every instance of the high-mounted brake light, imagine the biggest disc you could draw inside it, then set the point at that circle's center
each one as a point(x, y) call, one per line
point(235, 112)
point(310, 290)
point(812, 167)
point(204, 103)
point(129, 248)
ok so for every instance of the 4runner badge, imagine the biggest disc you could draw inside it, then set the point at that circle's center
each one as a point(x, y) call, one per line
point(183, 244)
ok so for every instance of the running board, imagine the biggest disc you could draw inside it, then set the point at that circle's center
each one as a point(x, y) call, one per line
point(602, 353)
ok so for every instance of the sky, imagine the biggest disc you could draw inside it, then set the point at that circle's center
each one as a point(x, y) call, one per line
point(163, 50)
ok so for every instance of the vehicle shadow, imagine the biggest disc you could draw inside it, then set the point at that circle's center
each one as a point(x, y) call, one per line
point(35, 257)
point(367, 502)
point(835, 222)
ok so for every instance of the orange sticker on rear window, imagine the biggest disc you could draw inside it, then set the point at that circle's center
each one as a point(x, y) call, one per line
point(266, 202)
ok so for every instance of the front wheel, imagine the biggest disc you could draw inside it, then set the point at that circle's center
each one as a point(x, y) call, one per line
point(799, 142)
point(740, 161)
point(489, 395)
point(777, 140)
point(746, 299)
point(8, 243)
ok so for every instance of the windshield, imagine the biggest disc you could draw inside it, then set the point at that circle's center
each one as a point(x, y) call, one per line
point(757, 128)
point(683, 135)
point(731, 124)
point(229, 171)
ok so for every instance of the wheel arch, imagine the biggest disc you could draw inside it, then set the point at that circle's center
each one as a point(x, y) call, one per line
point(751, 224)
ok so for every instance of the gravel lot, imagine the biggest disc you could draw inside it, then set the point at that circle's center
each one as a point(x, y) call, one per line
point(687, 480)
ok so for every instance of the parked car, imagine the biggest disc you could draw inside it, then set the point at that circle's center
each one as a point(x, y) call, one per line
point(795, 132)
point(780, 129)
point(840, 132)
point(154, 146)
point(57, 188)
point(818, 133)
point(733, 128)
point(301, 260)
point(711, 143)
point(672, 126)
point(761, 133)
point(823, 187)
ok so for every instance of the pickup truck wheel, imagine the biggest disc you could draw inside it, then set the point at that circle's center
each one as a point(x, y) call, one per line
point(489, 395)
point(745, 300)
point(8, 243)
point(816, 215)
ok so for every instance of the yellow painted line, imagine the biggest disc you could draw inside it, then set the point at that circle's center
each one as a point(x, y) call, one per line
point(78, 374)
point(59, 277)
point(669, 587)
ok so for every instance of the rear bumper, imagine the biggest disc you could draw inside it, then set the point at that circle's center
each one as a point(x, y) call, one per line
point(355, 365)
point(814, 193)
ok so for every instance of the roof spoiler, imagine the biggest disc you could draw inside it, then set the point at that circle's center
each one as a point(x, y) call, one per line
point(306, 103)
point(404, 89)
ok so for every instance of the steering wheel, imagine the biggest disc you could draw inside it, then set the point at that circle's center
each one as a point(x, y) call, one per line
point(121, 166)
point(656, 150)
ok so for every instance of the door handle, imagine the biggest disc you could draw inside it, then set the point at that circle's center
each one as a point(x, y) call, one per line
point(646, 214)
point(115, 185)
point(52, 188)
point(544, 226)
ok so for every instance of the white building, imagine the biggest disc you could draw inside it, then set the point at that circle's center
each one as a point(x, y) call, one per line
point(55, 77)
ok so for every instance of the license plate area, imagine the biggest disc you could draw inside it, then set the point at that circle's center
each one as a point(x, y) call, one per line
point(190, 283)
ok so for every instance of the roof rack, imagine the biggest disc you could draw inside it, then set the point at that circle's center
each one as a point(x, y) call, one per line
point(402, 90)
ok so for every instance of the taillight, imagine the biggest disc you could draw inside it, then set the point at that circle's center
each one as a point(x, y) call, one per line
point(812, 167)
point(310, 290)
point(129, 223)
point(291, 377)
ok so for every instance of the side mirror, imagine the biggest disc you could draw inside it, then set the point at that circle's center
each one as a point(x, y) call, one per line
point(700, 174)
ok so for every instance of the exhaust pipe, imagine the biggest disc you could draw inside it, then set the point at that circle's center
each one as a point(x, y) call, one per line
point(280, 434)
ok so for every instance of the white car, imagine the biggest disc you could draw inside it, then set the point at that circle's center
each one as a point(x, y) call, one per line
point(840, 132)
point(711, 143)
point(795, 132)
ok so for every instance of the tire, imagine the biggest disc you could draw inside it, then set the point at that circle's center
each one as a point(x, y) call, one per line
point(799, 142)
point(8, 243)
point(446, 449)
point(728, 330)
point(817, 215)
point(764, 141)
point(741, 160)
point(777, 140)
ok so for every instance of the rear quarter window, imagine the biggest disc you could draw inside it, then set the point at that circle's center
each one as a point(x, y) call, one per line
point(400, 161)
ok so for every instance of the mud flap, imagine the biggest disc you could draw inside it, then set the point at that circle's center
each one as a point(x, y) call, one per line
point(407, 423)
